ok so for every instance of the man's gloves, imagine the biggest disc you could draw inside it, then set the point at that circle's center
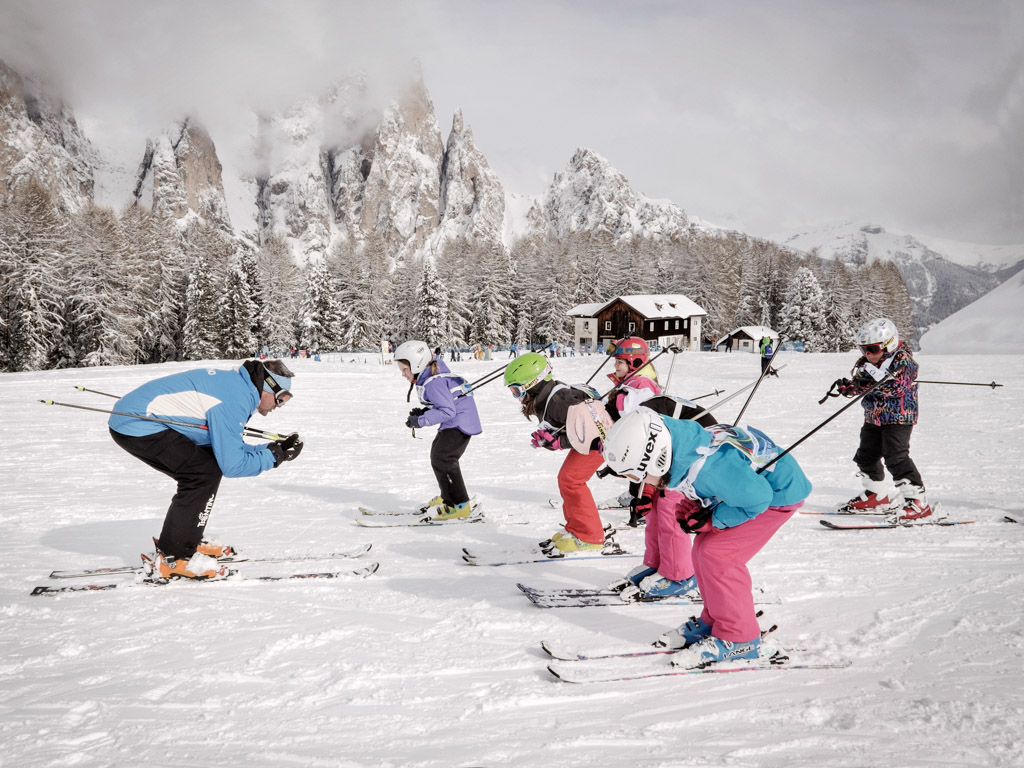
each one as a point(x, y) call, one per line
point(692, 516)
point(287, 449)
point(541, 438)
point(413, 422)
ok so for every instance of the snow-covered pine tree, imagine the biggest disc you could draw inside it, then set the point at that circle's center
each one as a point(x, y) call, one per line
point(321, 323)
point(201, 329)
point(490, 325)
point(102, 323)
point(430, 323)
point(238, 314)
point(455, 270)
point(282, 283)
point(803, 311)
point(250, 268)
point(35, 238)
point(839, 328)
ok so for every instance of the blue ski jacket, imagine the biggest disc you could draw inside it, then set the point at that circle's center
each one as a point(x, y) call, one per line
point(218, 402)
point(438, 393)
point(727, 480)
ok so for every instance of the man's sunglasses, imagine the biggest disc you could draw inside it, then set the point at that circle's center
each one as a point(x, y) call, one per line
point(281, 395)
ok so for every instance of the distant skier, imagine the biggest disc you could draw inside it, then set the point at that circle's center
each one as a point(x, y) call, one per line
point(733, 510)
point(457, 420)
point(890, 413)
point(766, 357)
point(219, 403)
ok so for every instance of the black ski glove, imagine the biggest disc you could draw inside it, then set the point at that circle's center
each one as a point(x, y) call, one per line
point(287, 449)
point(413, 422)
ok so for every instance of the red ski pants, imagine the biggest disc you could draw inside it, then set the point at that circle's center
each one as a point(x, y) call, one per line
point(668, 549)
point(581, 517)
point(720, 559)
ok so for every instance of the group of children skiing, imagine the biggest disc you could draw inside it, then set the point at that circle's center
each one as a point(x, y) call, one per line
point(728, 487)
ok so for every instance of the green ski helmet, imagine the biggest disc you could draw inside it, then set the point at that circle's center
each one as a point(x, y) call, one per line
point(526, 372)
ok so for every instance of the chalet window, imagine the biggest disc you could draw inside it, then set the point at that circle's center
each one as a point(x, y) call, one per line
point(650, 326)
point(677, 325)
point(632, 327)
point(666, 325)
point(607, 325)
point(586, 325)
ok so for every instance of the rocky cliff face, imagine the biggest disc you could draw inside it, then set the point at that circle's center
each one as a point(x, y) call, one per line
point(180, 175)
point(592, 196)
point(40, 139)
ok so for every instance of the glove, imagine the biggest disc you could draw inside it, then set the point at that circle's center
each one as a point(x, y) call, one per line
point(693, 517)
point(287, 449)
point(413, 422)
point(845, 387)
point(644, 503)
point(541, 438)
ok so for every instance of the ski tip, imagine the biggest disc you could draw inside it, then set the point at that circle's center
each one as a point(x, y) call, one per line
point(470, 560)
point(369, 570)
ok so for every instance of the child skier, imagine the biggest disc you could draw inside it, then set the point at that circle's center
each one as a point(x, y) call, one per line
point(733, 509)
point(530, 381)
point(457, 421)
point(890, 413)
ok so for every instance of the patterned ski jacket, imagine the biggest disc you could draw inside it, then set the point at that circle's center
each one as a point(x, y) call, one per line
point(218, 402)
point(725, 480)
point(895, 401)
point(438, 392)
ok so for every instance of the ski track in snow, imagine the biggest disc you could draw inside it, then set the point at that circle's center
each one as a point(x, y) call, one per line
point(432, 662)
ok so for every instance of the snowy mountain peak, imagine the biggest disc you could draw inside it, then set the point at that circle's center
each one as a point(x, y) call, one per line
point(40, 140)
point(591, 195)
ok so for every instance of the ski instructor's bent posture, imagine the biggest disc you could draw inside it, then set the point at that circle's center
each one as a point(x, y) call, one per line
point(219, 403)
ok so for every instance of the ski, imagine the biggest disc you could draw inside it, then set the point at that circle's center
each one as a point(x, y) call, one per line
point(361, 573)
point(557, 504)
point(888, 526)
point(121, 569)
point(589, 598)
point(474, 503)
point(622, 669)
point(847, 514)
point(559, 653)
point(535, 556)
point(420, 521)
point(1009, 519)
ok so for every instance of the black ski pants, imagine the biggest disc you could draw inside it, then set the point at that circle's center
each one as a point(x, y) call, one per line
point(892, 443)
point(198, 475)
point(445, 452)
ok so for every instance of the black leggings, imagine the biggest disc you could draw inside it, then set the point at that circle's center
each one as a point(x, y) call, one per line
point(445, 452)
point(892, 443)
point(198, 476)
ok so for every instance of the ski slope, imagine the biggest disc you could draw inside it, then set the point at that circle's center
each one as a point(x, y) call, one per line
point(432, 662)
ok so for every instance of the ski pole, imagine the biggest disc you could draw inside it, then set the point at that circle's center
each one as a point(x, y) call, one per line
point(852, 402)
point(671, 367)
point(251, 431)
point(725, 400)
point(760, 378)
point(716, 393)
point(472, 387)
point(602, 365)
point(97, 392)
point(248, 431)
point(960, 383)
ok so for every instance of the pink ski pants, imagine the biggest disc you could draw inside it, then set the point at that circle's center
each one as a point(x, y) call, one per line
point(668, 549)
point(720, 559)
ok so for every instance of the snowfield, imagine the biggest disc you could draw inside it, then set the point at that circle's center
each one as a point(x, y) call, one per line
point(432, 662)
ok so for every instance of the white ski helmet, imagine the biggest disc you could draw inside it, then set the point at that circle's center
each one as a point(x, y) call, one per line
point(882, 331)
point(416, 353)
point(639, 444)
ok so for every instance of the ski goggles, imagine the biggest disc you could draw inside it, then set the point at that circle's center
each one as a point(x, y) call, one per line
point(519, 390)
point(871, 349)
point(279, 386)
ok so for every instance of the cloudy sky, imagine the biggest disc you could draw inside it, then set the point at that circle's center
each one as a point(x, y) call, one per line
point(767, 116)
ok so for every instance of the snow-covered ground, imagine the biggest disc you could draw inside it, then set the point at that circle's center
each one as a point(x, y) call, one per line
point(432, 662)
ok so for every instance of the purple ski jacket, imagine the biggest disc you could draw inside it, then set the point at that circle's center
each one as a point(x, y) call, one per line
point(438, 392)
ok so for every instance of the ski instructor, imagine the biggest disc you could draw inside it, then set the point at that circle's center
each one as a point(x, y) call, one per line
point(219, 403)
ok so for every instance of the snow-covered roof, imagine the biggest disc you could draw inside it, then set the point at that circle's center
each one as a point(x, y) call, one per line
point(586, 310)
point(651, 306)
point(753, 331)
